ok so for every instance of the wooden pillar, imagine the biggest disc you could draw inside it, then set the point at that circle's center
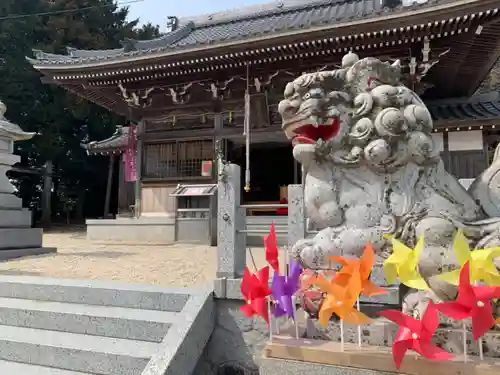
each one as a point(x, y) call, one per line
point(296, 171)
point(47, 195)
point(107, 201)
point(138, 168)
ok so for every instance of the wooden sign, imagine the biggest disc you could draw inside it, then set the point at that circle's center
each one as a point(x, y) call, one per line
point(206, 168)
point(130, 154)
point(373, 358)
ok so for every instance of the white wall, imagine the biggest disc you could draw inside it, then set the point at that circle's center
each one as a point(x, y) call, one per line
point(437, 139)
point(465, 140)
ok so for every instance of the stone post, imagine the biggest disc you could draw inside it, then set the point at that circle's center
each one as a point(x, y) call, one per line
point(296, 215)
point(231, 243)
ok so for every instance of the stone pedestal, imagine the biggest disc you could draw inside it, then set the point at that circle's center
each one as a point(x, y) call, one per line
point(17, 238)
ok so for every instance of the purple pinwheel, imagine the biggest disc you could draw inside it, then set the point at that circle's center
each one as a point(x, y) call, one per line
point(283, 289)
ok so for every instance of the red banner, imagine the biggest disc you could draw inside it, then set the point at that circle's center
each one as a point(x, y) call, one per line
point(131, 154)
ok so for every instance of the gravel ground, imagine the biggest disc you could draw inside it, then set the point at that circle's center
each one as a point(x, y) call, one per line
point(167, 265)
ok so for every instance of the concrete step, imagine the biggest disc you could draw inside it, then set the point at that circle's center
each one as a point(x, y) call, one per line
point(13, 368)
point(15, 218)
point(71, 327)
point(6, 254)
point(117, 322)
point(20, 238)
point(69, 351)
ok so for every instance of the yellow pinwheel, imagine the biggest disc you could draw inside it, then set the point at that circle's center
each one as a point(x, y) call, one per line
point(403, 263)
point(481, 263)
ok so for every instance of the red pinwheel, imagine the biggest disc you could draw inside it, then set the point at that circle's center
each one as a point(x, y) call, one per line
point(472, 302)
point(271, 247)
point(284, 289)
point(416, 335)
point(255, 290)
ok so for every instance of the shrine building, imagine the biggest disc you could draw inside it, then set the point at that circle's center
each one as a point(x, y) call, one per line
point(185, 91)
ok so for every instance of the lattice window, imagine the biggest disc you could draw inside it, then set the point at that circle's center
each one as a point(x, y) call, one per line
point(160, 160)
point(181, 159)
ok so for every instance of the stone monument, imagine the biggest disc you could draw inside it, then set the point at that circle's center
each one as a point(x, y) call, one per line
point(371, 169)
point(17, 238)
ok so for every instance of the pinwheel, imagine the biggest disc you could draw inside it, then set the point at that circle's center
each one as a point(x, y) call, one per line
point(472, 302)
point(362, 267)
point(308, 277)
point(480, 261)
point(416, 335)
point(283, 290)
point(270, 244)
point(403, 264)
point(340, 300)
point(255, 291)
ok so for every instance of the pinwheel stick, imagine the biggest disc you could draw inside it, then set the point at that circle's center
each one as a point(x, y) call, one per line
point(253, 259)
point(359, 327)
point(270, 318)
point(464, 339)
point(341, 335)
point(481, 354)
point(295, 320)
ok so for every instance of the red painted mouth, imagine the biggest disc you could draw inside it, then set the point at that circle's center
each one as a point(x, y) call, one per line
point(310, 134)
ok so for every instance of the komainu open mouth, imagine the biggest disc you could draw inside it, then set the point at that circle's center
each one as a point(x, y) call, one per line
point(310, 134)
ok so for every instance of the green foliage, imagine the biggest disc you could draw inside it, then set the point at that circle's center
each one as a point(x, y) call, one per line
point(62, 120)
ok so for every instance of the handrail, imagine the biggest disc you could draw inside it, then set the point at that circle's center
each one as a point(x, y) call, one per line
point(260, 231)
point(275, 205)
point(193, 209)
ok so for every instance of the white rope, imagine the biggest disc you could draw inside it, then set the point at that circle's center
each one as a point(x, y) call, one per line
point(246, 132)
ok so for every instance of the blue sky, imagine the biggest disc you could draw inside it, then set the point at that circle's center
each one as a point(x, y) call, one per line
point(156, 11)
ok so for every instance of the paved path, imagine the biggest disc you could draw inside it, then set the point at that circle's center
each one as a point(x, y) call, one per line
point(167, 265)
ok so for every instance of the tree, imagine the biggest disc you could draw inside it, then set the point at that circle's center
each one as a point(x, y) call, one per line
point(62, 120)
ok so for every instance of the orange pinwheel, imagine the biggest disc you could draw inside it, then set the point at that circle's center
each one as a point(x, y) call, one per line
point(340, 300)
point(362, 267)
point(308, 278)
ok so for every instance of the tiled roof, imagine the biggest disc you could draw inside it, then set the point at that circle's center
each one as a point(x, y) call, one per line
point(480, 107)
point(116, 143)
point(266, 19)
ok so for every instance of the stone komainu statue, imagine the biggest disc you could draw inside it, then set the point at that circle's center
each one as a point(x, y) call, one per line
point(364, 141)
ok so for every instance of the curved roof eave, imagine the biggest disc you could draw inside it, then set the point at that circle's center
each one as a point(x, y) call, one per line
point(182, 42)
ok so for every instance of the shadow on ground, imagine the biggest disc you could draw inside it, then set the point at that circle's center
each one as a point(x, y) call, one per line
point(19, 273)
point(96, 254)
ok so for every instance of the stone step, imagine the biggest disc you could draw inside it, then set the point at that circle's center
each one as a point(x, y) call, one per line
point(7, 254)
point(13, 368)
point(15, 218)
point(99, 293)
point(117, 322)
point(73, 327)
point(69, 351)
point(20, 238)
